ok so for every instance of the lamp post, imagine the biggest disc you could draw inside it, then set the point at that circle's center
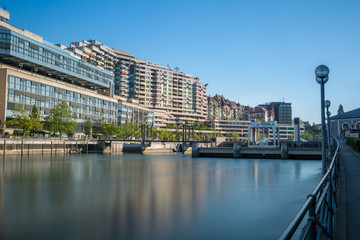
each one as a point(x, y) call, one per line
point(322, 73)
point(327, 105)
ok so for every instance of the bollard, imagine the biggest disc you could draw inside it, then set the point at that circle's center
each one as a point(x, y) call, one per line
point(51, 148)
point(64, 147)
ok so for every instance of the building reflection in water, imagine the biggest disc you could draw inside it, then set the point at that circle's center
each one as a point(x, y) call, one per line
point(133, 196)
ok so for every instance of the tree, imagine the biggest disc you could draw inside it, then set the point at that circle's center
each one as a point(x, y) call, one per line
point(61, 119)
point(130, 129)
point(21, 119)
point(36, 124)
point(110, 129)
point(340, 110)
point(234, 135)
point(88, 128)
point(311, 131)
point(306, 135)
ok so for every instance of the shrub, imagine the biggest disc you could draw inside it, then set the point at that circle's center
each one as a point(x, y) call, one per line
point(354, 143)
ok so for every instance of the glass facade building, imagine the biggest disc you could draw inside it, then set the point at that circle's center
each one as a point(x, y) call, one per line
point(35, 72)
point(52, 61)
point(45, 97)
point(129, 113)
point(284, 113)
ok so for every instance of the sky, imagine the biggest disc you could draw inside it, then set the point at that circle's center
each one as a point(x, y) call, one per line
point(251, 52)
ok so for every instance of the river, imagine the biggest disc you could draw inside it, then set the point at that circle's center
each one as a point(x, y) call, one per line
point(134, 196)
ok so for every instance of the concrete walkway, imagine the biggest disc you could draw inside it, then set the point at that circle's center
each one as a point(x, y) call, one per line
point(349, 200)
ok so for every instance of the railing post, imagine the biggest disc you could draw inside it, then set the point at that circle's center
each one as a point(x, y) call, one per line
point(4, 151)
point(22, 147)
point(312, 217)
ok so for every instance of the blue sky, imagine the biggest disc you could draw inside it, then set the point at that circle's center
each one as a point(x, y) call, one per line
point(249, 51)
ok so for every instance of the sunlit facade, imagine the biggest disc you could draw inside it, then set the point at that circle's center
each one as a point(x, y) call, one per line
point(33, 71)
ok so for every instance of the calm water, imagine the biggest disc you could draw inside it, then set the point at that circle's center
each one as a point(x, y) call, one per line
point(133, 196)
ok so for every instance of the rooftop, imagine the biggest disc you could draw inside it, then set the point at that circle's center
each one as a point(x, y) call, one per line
point(351, 114)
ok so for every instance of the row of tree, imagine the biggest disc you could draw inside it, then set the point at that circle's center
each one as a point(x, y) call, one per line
point(60, 119)
point(112, 130)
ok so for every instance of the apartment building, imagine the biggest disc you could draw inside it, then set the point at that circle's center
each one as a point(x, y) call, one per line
point(33, 71)
point(261, 114)
point(102, 56)
point(172, 96)
point(223, 109)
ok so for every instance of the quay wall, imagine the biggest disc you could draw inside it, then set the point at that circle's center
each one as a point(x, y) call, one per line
point(43, 146)
point(282, 152)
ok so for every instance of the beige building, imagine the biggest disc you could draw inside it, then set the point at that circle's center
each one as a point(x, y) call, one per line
point(173, 96)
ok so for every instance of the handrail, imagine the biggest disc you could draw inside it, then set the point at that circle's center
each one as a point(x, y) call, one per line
point(317, 227)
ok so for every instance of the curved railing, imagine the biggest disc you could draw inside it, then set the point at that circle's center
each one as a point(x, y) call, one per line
point(320, 206)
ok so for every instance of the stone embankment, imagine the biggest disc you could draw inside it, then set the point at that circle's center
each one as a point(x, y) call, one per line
point(43, 146)
point(57, 146)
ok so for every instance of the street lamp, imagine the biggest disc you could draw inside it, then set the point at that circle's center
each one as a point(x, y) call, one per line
point(327, 105)
point(322, 73)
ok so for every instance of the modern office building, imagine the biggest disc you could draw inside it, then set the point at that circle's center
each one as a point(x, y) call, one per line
point(173, 96)
point(282, 111)
point(33, 71)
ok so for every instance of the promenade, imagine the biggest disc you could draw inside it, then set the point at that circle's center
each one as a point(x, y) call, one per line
point(348, 219)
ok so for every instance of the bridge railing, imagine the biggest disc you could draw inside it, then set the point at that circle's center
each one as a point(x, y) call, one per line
point(319, 207)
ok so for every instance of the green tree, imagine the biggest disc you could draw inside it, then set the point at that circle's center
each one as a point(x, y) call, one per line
point(36, 124)
point(234, 135)
point(311, 131)
point(306, 135)
point(61, 119)
point(219, 134)
point(110, 129)
point(130, 129)
point(88, 128)
point(340, 109)
point(21, 119)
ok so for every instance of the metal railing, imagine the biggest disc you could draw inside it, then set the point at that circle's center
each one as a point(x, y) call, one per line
point(320, 206)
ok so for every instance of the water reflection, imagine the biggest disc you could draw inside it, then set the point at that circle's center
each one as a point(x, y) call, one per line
point(135, 196)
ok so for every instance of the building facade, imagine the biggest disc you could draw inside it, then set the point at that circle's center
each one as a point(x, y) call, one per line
point(282, 112)
point(220, 108)
point(173, 96)
point(261, 114)
point(133, 113)
point(343, 125)
point(33, 71)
